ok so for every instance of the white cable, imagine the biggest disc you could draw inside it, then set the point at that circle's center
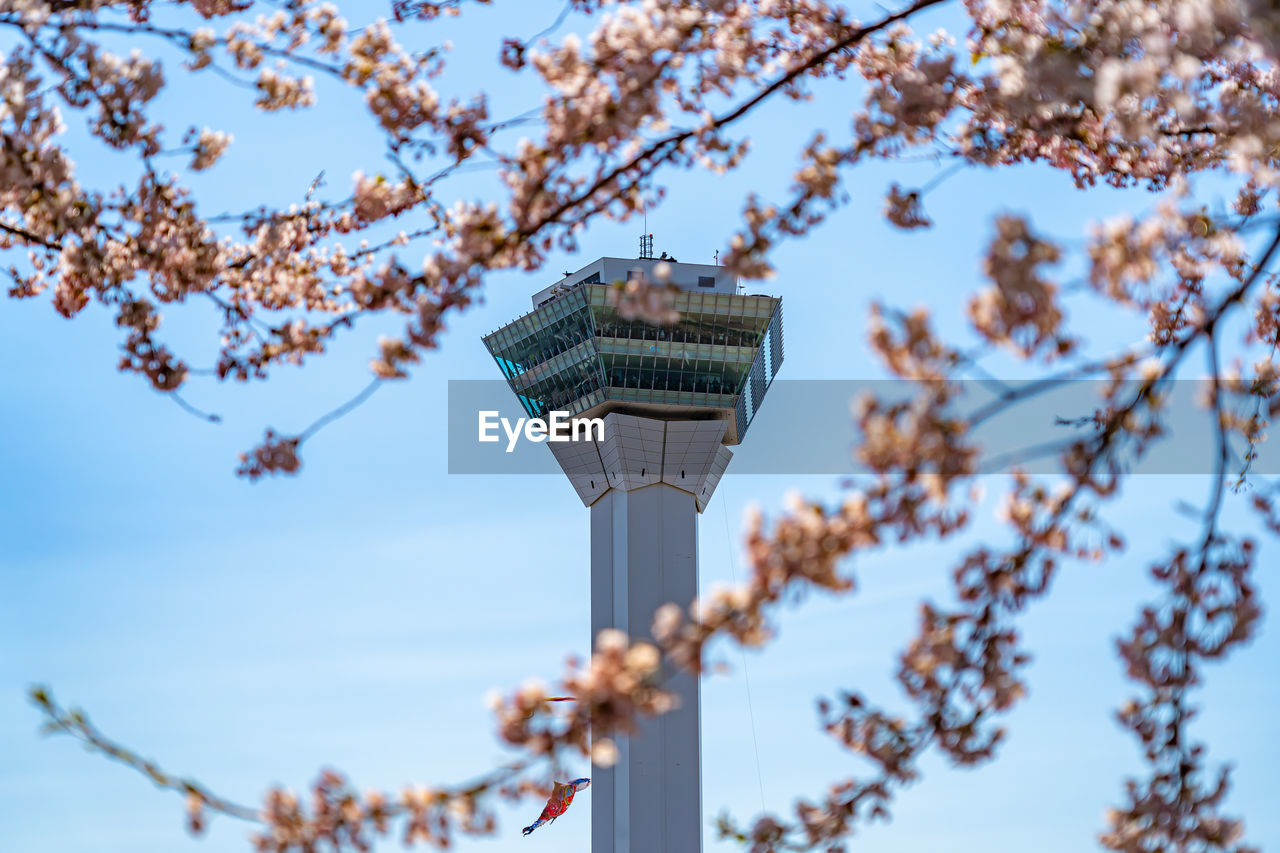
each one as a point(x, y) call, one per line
point(745, 675)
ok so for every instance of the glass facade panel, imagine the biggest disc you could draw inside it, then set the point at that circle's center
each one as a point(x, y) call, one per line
point(576, 352)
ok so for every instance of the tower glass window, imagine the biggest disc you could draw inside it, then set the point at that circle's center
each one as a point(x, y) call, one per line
point(576, 353)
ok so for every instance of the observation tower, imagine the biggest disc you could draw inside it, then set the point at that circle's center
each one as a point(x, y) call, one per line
point(673, 399)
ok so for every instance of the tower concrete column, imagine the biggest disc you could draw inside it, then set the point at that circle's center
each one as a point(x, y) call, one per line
point(644, 553)
point(646, 481)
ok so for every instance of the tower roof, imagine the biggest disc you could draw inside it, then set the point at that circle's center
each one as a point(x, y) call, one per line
point(695, 278)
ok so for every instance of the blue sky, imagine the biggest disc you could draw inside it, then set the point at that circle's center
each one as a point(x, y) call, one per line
point(356, 615)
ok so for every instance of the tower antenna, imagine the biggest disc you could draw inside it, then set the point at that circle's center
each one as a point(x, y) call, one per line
point(646, 239)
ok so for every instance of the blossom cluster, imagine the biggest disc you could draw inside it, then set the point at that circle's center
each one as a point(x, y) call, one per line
point(612, 692)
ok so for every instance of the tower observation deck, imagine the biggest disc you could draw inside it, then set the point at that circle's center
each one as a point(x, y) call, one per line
point(673, 398)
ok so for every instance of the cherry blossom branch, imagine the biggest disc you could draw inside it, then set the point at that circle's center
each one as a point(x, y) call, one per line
point(665, 147)
point(29, 237)
point(620, 685)
point(992, 589)
point(208, 417)
point(338, 815)
point(179, 38)
point(74, 723)
point(279, 453)
point(345, 409)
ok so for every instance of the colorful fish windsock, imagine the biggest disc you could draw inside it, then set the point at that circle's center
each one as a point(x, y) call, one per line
point(561, 797)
